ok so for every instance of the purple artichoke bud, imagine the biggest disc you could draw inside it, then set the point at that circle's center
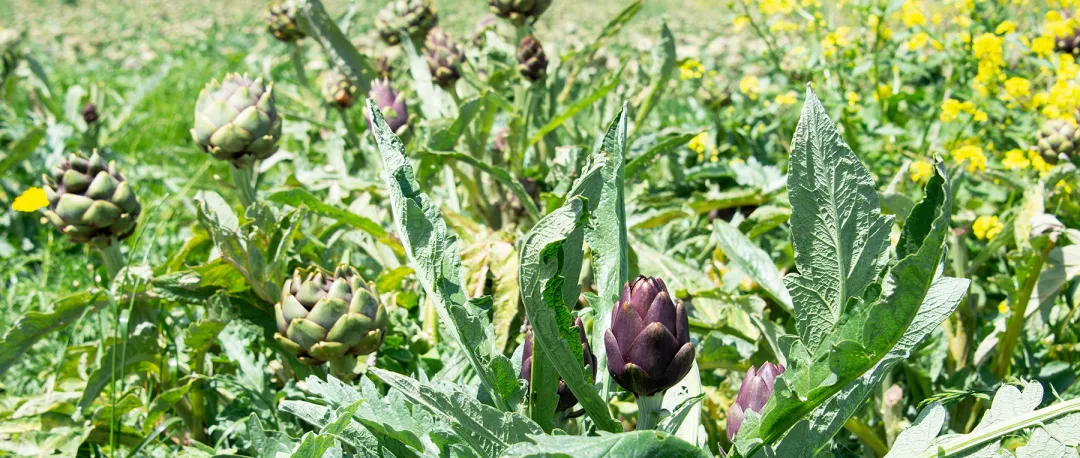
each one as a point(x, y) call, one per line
point(90, 113)
point(444, 58)
point(757, 387)
point(648, 344)
point(392, 104)
point(566, 398)
point(532, 62)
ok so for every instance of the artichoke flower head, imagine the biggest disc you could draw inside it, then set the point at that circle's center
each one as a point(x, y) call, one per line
point(754, 393)
point(90, 201)
point(236, 120)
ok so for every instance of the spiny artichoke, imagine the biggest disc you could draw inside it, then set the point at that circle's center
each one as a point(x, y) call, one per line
point(566, 397)
point(236, 120)
point(1056, 137)
point(757, 387)
point(337, 90)
point(532, 62)
point(327, 316)
point(90, 113)
point(1068, 43)
point(281, 21)
point(391, 103)
point(443, 57)
point(519, 12)
point(415, 17)
point(648, 344)
point(89, 201)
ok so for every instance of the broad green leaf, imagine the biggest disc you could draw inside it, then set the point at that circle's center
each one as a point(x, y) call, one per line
point(638, 444)
point(324, 444)
point(551, 259)
point(663, 146)
point(606, 233)
point(315, 21)
point(433, 101)
point(162, 403)
point(322, 417)
point(445, 139)
point(140, 352)
point(21, 149)
point(730, 198)
point(432, 250)
point(753, 261)
point(764, 219)
point(838, 232)
point(33, 326)
point(576, 107)
point(298, 197)
point(663, 65)
point(488, 431)
point(269, 445)
point(386, 415)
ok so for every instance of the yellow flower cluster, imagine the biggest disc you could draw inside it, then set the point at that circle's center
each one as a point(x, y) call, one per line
point(952, 109)
point(911, 15)
point(700, 144)
point(691, 69)
point(988, 49)
point(788, 98)
point(835, 41)
point(987, 227)
point(749, 86)
point(972, 155)
point(921, 171)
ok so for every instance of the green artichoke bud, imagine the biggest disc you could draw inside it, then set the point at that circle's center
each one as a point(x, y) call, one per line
point(443, 57)
point(415, 17)
point(532, 62)
point(324, 317)
point(519, 12)
point(337, 90)
point(236, 120)
point(1068, 43)
point(1057, 137)
point(89, 201)
point(281, 21)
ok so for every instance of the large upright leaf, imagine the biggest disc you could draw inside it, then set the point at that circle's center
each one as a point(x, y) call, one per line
point(663, 65)
point(345, 57)
point(34, 325)
point(551, 258)
point(606, 233)
point(836, 223)
point(432, 250)
point(752, 261)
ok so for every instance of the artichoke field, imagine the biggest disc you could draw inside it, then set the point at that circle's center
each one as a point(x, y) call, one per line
point(540, 228)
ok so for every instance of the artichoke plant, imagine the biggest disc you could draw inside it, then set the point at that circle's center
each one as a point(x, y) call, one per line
point(754, 393)
point(90, 113)
point(236, 120)
point(391, 103)
point(337, 90)
point(532, 62)
point(648, 344)
point(281, 21)
point(1068, 43)
point(1057, 137)
point(519, 12)
point(89, 201)
point(443, 57)
point(414, 17)
point(566, 397)
point(329, 317)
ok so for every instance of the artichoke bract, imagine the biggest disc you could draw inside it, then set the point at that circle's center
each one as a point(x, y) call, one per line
point(519, 12)
point(391, 103)
point(324, 317)
point(414, 17)
point(443, 57)
point(648, 344)
point(281, 21)
point(754, 393)
point(337, 90)
point(236, 120)
point(566, 397)
point(532, 62)
point(89, 201)
point(1056, 137)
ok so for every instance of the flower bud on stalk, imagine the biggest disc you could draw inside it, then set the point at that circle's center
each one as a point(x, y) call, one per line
point(444, 58)
point(519, 12)
point(281, 21)
point(337, 90)
point(89, 113)
point(414, 17)
point(757, 387)
point(648, 344)
point(532, 62)
point(392, 105)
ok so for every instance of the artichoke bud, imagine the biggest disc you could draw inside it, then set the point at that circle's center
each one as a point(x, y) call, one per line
point(281, 21)
point(329, 317)
point(89, 201)
point(757, 387)
point(414, 17)
point(532, 62)
point(566, 397)
point(519, 12)
point(648, 344)
point(236, 120)
point(443, 57)
point(1068, 43)
point(89, 113)
point(392, 105)
point(337, 90)
point(1058, 137)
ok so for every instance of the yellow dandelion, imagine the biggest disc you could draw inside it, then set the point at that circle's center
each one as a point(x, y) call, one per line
point(31, 200)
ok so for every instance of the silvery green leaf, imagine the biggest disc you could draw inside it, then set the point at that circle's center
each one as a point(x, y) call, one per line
point(753, 261)
point(921, 433)
point(638, 444)
point(324, 417)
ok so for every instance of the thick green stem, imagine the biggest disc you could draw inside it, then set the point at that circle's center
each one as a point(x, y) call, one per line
point(243, 180)
point(1019, 312)
point(298, 64)
point(114, 260)
point(648, 411)
point(198, 398)
point(867, 436)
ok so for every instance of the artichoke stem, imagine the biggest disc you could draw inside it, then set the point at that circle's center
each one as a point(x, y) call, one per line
point(114, 260)
point(243, 181)
point(298, 63)
point(649, 409)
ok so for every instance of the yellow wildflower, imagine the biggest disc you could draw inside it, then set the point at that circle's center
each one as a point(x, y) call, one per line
point(1038, 163)
point(1042, 46)
point(740, 23)
point(921, 171)
point(749, 86)
point(987, 227)
point(691, 69)
point(1006, 27)
point(783, 25)
point(786, 98)
point(979, 116)
point(771, 7)
point(1003, 307)
point(918, 41)
point(835, 40)
point(31, 200)
point(950, 110)
point(1017, 87)
point(972, 155)
point(1015, 160)
point(911, 15)
point(697, 144)
point(852, 98)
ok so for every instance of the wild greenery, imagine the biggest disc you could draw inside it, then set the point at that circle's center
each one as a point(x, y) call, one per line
point(415, 228)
